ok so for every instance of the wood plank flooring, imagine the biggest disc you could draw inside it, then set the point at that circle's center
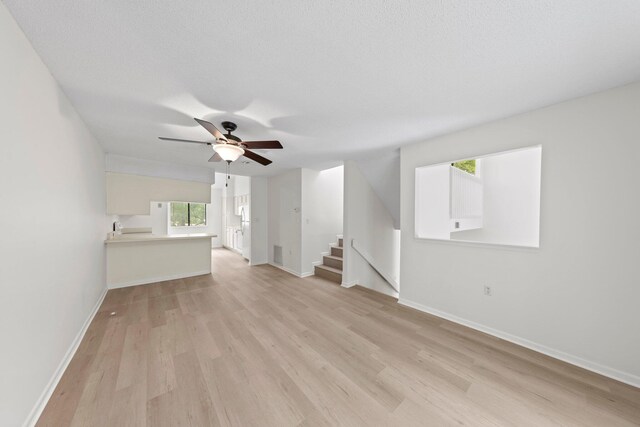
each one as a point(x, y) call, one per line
point(255, 346)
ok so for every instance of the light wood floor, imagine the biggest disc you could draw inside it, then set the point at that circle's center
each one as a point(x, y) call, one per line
point(255, 346)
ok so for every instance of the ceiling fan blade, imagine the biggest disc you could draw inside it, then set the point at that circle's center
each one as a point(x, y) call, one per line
point(184, 140)
point(211, 128)
point(256, 157)
point(215, 158)
point(262, 144)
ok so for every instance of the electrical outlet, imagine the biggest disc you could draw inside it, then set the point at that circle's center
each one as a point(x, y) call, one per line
point(487, 290)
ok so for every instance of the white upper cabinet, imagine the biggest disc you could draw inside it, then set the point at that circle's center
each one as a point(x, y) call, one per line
point(132, 194)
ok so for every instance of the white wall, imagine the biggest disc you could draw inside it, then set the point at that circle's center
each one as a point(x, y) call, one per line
point(214, 217)
point(433, 190)
point(304, 216)
point(577, 296)
point(284, 212)
point(367, 220)
point(382, 171)
point(242, 185)
point(322, 214)
point(54, 226)
point(511, 199)
point(259, 220)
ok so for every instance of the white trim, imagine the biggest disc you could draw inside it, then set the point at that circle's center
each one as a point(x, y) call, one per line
point(349, 284)
point(307, 274)
point(480, 244)
point(482, 156)
point(288, 270)
point(369, 259)
point(42, 401)
point(232, 249)
point(615, 374)
point(157, 279)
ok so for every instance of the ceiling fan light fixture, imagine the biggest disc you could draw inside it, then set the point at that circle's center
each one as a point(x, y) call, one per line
point(228, 152)
point(229, 147)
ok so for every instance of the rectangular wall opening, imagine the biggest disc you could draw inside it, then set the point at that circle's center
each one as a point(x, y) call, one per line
point(489, 199)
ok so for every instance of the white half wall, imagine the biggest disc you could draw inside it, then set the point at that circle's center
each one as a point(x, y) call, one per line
point(322, 214)
point(577, 295)
point(367, 220)
point(54, 224)
point(156, 261)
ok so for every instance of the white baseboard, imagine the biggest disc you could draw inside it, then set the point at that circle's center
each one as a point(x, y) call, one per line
point(349, 284)
point(615, 374)
point(35, 413)
point(157, 279)
point(288, 270)
point(232, 249)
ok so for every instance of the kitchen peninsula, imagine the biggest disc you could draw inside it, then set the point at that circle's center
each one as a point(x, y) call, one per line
point(135, 259)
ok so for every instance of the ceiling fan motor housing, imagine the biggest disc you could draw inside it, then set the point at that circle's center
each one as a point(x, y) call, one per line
point(229, 126)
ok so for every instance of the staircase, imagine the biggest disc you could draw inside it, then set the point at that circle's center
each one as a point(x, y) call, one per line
point(331, 267)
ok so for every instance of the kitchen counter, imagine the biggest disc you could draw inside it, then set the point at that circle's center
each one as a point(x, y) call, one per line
point(140, 258)
point(146, 237)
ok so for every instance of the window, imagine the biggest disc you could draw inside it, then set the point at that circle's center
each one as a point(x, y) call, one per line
point(468, 166)
point(188, 214)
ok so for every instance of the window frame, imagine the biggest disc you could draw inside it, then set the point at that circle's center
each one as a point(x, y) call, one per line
point(188, 224)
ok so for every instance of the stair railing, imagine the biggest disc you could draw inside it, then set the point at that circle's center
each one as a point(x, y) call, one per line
point(367, 257)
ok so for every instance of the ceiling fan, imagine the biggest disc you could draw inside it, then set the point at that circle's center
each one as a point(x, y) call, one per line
point(229, 147)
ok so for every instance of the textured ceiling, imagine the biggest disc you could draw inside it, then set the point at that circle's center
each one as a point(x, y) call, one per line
point(331, 80)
